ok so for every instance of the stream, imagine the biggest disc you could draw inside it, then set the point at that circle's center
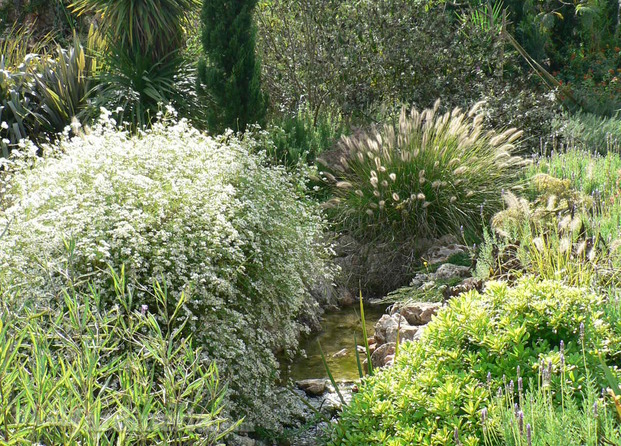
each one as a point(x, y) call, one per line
point(337, 341)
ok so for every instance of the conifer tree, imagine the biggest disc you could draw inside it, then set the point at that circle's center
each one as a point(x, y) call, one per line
point(230, 73)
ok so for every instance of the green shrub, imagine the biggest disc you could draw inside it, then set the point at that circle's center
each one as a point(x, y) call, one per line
point(566, 225)
point(440, 383)
point(92, 373)
point(303, 137)
point(427, 176)
point(351, 56)
point(204, 214)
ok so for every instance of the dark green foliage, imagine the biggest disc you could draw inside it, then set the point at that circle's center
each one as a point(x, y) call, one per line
point(230, 74)
point(144, 63)
point(303, 137)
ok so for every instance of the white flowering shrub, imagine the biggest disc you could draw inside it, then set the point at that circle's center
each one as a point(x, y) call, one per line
point(205, 216)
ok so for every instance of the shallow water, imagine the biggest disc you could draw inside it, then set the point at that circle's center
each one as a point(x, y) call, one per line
point(338, 329)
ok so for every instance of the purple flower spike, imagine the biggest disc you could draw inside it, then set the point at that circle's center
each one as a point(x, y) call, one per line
point(520, 385)
point(518, 371)
point(529, 435)
point(562, 346)
point(595, 409)
point(489, 378)
point(521, 422)
point(516, 410)
point(511, 386)
point(144, 309)
point(582, 331)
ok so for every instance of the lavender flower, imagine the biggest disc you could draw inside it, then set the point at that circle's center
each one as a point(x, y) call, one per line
point(489, 378)
point(143, 309)
point(521, 422)
point(562, 346)
point(518, 371)
point(582, 331)
point(520, 385)
point(595, 409)
point(456, 434)
point(529, 435)
point(511, 386)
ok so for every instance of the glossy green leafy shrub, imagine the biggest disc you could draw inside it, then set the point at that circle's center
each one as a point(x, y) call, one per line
point(90, 373)
point(441, 383)
point(204, 214)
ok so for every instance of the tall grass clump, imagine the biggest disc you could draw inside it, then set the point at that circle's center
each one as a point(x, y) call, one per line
point(592, 132)
point(205, 215)
point(87, 372)
point(427, 176)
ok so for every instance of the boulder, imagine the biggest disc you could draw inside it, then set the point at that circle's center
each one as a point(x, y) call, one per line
point(312, 387)
point(443, 249)
point(449, 271)
point(469, 284)
point(418, 313)
point(379, 356)
point(386, 328)
point(409, 333)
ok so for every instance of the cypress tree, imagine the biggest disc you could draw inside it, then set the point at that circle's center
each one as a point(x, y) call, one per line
point(230, 73)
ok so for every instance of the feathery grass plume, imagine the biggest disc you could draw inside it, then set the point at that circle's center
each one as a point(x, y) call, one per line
point(447, 163)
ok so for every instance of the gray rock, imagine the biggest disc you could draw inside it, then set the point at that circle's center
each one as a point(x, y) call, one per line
point(341, 353)
point(409, 333)
point(378, 358)
point(418, 313)
point(469, 284)
point(449, 271)
point(427, 286)
point(312, 387)
point(443, 250)
point(386, 328)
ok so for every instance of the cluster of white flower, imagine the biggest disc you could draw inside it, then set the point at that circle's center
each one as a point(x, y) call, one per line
point(205, 215)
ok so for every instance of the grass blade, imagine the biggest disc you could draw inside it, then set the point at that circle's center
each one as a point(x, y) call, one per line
point(366, 338)
point(325, 364)
point(358, 363)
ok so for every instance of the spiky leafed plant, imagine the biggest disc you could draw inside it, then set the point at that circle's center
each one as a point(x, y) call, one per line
point(63, 85)
point(144, 64)
point(425, 177)
point(147, 27)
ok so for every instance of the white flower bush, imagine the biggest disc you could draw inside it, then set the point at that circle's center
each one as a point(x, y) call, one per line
point(206, 216)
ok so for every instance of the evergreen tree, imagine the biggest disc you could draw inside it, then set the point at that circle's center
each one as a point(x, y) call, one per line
point(230, 72)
